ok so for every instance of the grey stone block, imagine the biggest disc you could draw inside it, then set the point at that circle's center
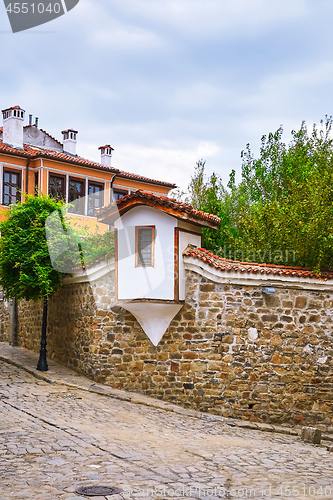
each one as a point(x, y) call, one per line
point(311, 435)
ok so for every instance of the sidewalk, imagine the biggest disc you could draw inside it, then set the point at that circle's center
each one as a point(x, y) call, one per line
point(59, 374)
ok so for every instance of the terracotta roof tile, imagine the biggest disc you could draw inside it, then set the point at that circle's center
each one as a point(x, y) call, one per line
point(145, 179)
point(30, 151)
point(170, 205)
point(90, 265)
point(12, 107)
point(227, 265)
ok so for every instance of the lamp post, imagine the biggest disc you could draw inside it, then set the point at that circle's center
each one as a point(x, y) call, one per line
point(42, 362)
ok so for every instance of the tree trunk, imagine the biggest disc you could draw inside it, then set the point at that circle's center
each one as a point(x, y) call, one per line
point(42, 362)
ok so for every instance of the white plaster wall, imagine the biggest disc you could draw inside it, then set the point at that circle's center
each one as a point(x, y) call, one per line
point(69, 146)
point(35, 137)
point(184, 240)
point(146, 282)
point(13, 131)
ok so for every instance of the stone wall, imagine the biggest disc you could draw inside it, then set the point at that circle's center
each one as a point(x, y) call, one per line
point(231, 350)
point(4, 320)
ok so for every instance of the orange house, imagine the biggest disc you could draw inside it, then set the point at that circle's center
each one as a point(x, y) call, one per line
point(31, 160)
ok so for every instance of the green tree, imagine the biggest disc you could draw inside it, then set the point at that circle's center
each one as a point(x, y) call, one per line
point(26, 268)
point(26, 271)
point(282, 210)
point(197, 188)
point(289, 219)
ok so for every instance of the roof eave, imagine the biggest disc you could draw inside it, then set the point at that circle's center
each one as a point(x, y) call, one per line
point(77, 162)
point(111, 215)
point(25, 154)
point(146, 180)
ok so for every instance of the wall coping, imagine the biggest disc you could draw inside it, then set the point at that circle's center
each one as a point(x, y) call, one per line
point(91, 274)
point(234, 278)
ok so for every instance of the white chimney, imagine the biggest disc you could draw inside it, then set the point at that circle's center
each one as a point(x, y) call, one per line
point(13, 126)
point(69, 141)
point(106, 154)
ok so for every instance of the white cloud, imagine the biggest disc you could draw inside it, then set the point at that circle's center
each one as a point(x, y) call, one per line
point(199, 95)
point(168, 82)
point(162, 162)
point(211, 18)
point(126, 38)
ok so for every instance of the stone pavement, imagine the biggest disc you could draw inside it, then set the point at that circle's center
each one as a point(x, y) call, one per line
point(57, 437)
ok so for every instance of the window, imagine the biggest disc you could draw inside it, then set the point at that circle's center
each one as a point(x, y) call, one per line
point(144, 246)
point(76, 192)
point(11, 187)
point(57, 187)
point(117, 194)
point(36, 183)
point(95, 197)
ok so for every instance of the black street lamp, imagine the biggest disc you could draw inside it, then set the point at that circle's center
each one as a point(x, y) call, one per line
point(42, 362)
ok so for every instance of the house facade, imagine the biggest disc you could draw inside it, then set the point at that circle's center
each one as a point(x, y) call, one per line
point(151, 233)
point(31, 160)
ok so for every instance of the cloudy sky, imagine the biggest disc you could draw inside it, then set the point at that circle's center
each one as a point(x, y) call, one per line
point(167, 82)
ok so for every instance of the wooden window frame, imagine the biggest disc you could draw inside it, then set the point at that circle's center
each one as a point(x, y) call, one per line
point(36, 183)
point(101, 185)
point(137, 260)
point(83, 182)
point(63, 178)
point(18, 185)
point(119, 191)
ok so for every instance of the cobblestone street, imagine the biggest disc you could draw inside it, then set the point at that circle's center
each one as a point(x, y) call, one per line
point(55, 439)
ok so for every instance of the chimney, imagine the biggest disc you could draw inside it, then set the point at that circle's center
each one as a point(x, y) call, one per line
point(36, 122)
point(69, 141)
point(30, 120)
point(13, 126)
point(106, 154)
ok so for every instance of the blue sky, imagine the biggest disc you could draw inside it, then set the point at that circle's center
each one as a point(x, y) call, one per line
point(167, 82)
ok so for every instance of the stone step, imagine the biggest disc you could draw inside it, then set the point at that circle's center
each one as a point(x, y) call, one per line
point(327, 444)
point(327, 437)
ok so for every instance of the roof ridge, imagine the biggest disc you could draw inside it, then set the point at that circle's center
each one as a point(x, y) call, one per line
point(162, 200)
point(49, 135)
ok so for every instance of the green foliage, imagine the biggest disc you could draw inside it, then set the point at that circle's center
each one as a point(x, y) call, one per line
point(197, 188)
point(282, 210)
point(96, 246)
point(32, 263)
point(26, 271)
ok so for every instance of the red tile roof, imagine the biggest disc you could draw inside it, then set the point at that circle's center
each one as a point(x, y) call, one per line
point(30, 151)
point(106, 146)
point(140, 178)
point(69, 130)
point(228, 266)
point(173, 207)
point(12, 107)
point(37, 152)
